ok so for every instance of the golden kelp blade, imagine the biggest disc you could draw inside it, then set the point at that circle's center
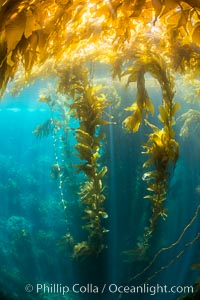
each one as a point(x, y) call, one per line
point(161, 146)
point(63, 29)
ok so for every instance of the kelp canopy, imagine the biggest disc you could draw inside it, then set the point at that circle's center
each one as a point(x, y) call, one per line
point(59, 38)
point(35, 32)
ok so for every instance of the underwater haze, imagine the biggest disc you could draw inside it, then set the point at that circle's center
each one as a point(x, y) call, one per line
point(43, 211)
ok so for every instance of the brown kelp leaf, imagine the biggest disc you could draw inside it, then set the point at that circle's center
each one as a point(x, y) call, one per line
point(10, 62)
point(133, 77)
point(157, 5)
point(14, 31)
point(168, 6)
point(163, 114)
point(147, 163)
point(153, 127)
point(133, 122)
point(176, 108)
point(184, 18)
point(196, 34)
point(86, 168)
point(117, 69)
point(157, 138)
point(85, 152)
point(137, 8)
point(30, 54)
point(83, 137)
point(102, 173)
point(31, 24)
point(103, 214)
point(172, 18)
point(133, 107)
point(149, 105)
point(147, 197)
point(89, 214)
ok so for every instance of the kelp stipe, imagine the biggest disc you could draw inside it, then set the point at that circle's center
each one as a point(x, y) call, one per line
point(164, 249)
point(161, 145)
point(56, 127)
point(88, 105)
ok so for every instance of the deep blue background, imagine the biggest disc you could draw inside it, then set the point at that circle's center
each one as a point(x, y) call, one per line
point(32, 218)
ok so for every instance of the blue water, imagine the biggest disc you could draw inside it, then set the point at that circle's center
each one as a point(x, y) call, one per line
point(33, 219)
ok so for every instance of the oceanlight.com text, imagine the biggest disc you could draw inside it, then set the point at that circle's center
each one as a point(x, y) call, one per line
point(112, 288)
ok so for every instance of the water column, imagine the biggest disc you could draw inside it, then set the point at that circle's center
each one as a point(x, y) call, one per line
point(112, 206)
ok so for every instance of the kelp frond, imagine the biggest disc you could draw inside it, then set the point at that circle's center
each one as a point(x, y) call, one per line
point(88, 105)
point(161, 145)
point(45, 129)
point(190, 122)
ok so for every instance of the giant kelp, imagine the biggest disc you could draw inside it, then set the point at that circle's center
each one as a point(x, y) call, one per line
point(30, 31)
point(161, 145)
point(88, 106)
point(59, 37)
point(44, 129)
